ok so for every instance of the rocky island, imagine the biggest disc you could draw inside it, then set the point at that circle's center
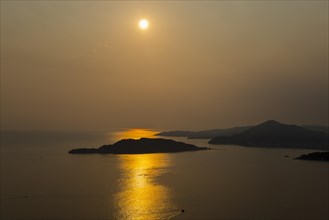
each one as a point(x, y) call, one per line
point(319, 156)
point(140, 146)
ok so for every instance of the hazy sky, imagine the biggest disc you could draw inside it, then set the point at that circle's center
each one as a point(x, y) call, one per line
point(86, 65)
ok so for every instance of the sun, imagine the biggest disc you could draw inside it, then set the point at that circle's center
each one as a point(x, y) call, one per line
point(143, 24)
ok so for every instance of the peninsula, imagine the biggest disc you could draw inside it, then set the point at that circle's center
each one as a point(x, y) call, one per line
point(227, 132)
point(275, 134)
point(140, 146)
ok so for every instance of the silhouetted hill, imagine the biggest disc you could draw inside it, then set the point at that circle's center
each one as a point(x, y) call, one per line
point(140, 146)
point(208, 134)
point(319, 156)
point(274, 134)
point(205, 134)
point(321, 128)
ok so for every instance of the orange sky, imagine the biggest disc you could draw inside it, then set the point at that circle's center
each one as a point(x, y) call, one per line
point(86, 65)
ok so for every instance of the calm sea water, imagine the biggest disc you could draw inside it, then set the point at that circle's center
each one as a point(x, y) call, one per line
point(40, 180)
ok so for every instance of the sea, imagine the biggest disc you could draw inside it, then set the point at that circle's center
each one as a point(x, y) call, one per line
point(40, 180)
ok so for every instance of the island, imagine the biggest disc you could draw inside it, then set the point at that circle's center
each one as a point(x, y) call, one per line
point(140, 146)
point(318, 156)
point(275, 134)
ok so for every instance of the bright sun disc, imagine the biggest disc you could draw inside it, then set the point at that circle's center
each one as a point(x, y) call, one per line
point(143, 24)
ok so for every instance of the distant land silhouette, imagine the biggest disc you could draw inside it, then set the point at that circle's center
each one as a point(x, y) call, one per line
point(275, 134)
point(319, 156)
point(208, 134)
point(321, 128)
point(205, 134)
point(140, 146)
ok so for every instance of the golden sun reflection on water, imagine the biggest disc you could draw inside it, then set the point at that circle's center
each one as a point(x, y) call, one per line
point(140, 195)
point(135, 133)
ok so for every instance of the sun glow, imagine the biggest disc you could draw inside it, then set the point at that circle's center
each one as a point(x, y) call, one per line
point(135, 133)
point(143, 24)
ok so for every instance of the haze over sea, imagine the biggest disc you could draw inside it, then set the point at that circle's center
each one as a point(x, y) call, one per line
point(74, 73)
point(40, 180)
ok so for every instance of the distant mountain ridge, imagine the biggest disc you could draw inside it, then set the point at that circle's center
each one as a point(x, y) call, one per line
point(208, 134)
point(275, 134)
point(321, 128)
point(205, 134)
